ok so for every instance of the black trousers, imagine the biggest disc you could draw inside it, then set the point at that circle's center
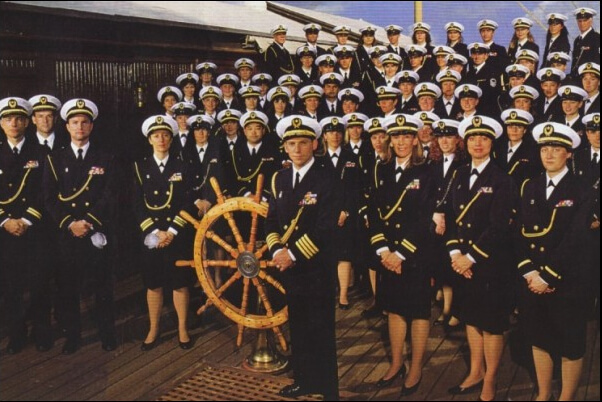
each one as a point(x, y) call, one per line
point(22, 267)
point(311, 311)
point(84, 269)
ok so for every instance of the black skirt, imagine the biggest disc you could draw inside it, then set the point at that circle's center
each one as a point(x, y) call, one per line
point(555, 322)
point(408, 294)
point(159, 269)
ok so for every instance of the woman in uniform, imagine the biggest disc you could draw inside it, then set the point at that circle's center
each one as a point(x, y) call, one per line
point(397, 232)
point(160, 192)
point(343, 165)
point(478, 241)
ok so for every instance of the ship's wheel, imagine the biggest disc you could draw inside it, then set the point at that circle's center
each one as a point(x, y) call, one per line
point(249, 265)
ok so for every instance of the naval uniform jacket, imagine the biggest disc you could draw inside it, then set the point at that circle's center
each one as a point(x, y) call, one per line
point(480, 226)
point(244, 168)
point(80, 190)
point(278, 61)
point(20, 182)
point(585, 50)
point(525, 162)
point(397, 219)
point(551, 241)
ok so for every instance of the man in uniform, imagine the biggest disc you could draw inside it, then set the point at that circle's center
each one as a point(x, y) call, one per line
point(586, 47)
point(498, 57)
point(181, 112)
point(79, 192)
point(277, 60)
point(484, 75)
point(551, 106)
point(21, 211)
point(448, 106)
point(45, 114)
point(330, 105)
point(300, 223)
point(311, 34)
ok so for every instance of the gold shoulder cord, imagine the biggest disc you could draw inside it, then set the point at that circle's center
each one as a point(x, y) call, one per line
point(544, 231)
point(78, 193)
point(468, 207)
point(238, 176)
point(14, 197)
point(166, 202)
point(392, 210)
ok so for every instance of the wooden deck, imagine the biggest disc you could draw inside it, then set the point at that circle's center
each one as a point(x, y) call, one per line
point(130, 374)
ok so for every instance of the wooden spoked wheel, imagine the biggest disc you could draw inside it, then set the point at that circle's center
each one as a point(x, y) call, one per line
point(248, 264)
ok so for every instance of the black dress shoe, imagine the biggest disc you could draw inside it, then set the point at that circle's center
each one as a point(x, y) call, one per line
point(145, 347)
point(109, 344)
point(407, 391)
point(382, 383)
point(70, 346)
point(458, 390)
point(44, 344)
point(344, 306)
point(15, 345)
point(186, 345)
point(372, 312)
point(294, 390)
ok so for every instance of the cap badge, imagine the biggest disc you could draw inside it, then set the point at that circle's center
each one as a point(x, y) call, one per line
point(466, 88)
point(43, 100)
point(423, 116)
point(210, 90)
point(296, 122)
point(441, 125)
point(548, 73)
point(334, 121)
point(181, 106)
point(12, 103)
point(354, 117)
point(513, 115)
point(401, 120)
point(199, 119)
point(477, 121)
point(262, 77)
point(80, 103)
point(521, 89)
point(567, 91)
point(228, 113)
point(252, 115)
point(348, 92)
point(278, 90)
point(375, 123)
point(189, 76)
point(168, 89)
point(596, 119)
point(548, 130)
point(382, 90)
point(424, 87)
point(159, 120)
point(332, 77)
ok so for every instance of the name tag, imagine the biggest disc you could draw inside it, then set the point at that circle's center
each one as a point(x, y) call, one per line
point(176, 177)
point(96, 170)
point(31, 165)
point(267, 159)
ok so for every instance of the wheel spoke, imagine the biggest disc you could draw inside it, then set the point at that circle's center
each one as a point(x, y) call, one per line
point(270, 279)
point(190, 219)
point(235, 231)
point(185, 263)
point(280, 337)
point(259, 253)
point(220, 263)
point(264, 297)
point(243, 310)
point(221, 242)
point(255, 215)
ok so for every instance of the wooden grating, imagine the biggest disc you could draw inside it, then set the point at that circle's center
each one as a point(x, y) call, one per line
point(230, 384)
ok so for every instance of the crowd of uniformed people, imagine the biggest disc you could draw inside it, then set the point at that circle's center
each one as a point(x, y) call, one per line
point(469, 169)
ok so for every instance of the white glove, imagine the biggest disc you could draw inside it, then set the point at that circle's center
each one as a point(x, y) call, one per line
point(151, 241)
point(98, 240)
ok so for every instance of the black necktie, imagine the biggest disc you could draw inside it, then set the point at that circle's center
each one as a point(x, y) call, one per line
point(334, 156)
point(46, 145)
point(231, 145)
point(228, 105)
point(80, 155)
point(356, 149)
point(345, 76)
point(474, 172)
point(426, 148)
point(332, 109)
point(16, 151)
point(201, 150)
point(403, 104)
point(297, 179)
point(595, 159)
point(398, 171)
point(551, 184)
point(510, 151)
point(161, 167)
point(254, 152)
